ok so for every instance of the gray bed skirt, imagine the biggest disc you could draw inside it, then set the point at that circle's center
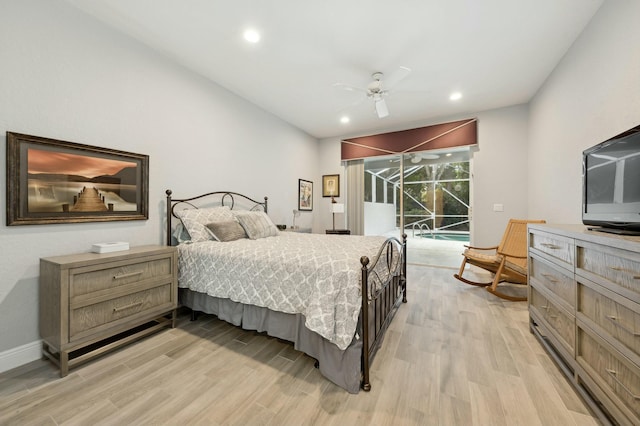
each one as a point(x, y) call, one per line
point(341, 367)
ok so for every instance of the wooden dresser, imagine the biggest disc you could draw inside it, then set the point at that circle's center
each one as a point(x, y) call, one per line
point(92, 303)
point(584, 306)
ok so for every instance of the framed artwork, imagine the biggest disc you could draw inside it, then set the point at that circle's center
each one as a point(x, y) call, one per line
point(331, 186)
point(305, 195)
point(53, 181)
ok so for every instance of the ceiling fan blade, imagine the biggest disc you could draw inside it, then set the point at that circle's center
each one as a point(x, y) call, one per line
point(349, 88)
point(381, 108)
point(396, 77)
point(352, 104)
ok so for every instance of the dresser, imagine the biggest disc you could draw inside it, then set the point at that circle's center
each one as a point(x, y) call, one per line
point(92, 303)
point(584, 307)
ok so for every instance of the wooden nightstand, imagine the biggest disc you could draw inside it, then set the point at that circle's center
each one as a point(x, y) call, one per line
point(92, 303)
point(338, 231)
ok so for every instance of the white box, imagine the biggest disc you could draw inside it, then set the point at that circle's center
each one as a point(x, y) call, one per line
point(109, 247)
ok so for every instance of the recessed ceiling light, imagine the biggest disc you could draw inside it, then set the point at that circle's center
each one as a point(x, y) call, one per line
point(449, 154)
point(455, 96)
point(344, 119)
point(252, 36)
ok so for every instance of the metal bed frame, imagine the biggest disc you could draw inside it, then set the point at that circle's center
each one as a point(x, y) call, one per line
point(380, 298)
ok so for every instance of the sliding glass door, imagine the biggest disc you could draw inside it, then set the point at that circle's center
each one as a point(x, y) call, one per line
point(424, 195)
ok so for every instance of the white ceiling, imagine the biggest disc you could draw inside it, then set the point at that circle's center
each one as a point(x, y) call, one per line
point(496, 52)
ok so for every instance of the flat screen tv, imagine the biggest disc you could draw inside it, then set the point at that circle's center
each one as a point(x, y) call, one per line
point(611, 184)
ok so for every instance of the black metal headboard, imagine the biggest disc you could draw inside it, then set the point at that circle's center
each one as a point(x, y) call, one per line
point(225, 198)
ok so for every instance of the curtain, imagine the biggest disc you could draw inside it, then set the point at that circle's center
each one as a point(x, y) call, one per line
point(355, 196)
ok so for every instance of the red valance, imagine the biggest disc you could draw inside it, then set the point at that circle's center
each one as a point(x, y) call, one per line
point(438, 136)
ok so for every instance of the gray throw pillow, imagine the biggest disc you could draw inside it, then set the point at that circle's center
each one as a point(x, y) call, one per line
point(256, 224)
point(226, 231)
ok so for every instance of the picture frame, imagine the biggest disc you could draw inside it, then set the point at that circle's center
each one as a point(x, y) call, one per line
point(52, 181)
point(331, 186)
point(305, 195)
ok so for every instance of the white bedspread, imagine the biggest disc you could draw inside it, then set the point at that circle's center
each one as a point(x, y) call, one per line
point(312, 274)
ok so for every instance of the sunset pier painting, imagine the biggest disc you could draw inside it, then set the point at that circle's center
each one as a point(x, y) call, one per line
point(65, 182)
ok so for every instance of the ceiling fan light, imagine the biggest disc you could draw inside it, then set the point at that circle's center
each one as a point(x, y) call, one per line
point(430, 156)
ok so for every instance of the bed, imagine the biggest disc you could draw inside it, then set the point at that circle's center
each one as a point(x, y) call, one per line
point(313, 290)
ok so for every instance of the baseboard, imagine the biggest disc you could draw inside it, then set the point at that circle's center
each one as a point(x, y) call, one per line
point(21, 355)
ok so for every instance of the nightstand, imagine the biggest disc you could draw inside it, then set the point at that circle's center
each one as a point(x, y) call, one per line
point(338, 232)
point(92, 303)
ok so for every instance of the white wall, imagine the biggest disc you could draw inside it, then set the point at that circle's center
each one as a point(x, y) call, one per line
point(592, 95)
point(499, 169)
point(380, 218)
point(66, 76)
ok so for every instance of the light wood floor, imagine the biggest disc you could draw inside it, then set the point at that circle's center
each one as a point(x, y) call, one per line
point(454, 355)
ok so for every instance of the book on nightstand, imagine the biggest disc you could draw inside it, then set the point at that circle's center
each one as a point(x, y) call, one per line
point(109, 247)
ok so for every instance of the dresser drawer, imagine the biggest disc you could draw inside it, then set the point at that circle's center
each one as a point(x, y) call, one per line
point(555, 279)
point(84, 320)
point(614, 319)
point(618, 270)
point(109, 276)
point(561, 323)
point(613, 373)
point(554, 246)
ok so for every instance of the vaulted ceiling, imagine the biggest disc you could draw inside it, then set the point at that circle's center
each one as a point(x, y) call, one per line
point(495, 53)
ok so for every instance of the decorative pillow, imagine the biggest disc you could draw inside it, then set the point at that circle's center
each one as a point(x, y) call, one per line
point(196, 219)
point(256, 224)
point(180, 234)
point(230, 230)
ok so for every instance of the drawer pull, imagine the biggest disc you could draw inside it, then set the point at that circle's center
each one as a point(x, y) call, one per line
point(629, 271)
point(614, 376)
point(130, 274)
point(550, 278)
point(125, 307)
point(551, 246)
point(614, 320)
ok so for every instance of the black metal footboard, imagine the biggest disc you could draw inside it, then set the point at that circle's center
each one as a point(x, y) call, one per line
point(384, 287)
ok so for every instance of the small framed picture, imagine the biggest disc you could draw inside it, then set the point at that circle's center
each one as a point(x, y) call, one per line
point(305, 195)
point(331, 186)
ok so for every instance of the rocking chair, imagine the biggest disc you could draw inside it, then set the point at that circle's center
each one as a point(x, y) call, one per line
point(508, 260)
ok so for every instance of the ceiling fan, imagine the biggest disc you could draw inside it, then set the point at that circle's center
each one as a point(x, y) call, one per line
point(377, 90)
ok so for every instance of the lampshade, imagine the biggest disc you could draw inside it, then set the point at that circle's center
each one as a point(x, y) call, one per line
point(337, 208)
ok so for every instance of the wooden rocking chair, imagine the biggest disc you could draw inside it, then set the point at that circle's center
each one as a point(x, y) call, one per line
point(508, 260)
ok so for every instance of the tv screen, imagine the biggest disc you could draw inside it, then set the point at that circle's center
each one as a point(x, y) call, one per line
point(611, 183)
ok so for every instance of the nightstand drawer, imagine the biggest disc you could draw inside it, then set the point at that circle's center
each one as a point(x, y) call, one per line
point(84, 320)
point(108, 276)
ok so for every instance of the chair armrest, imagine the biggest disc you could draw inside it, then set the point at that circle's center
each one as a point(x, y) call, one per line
point(482, 248)
point(511, 255)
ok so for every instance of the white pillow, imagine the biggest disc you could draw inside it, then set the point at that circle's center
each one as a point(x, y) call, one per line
point(256, 224)
point(196, 219)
